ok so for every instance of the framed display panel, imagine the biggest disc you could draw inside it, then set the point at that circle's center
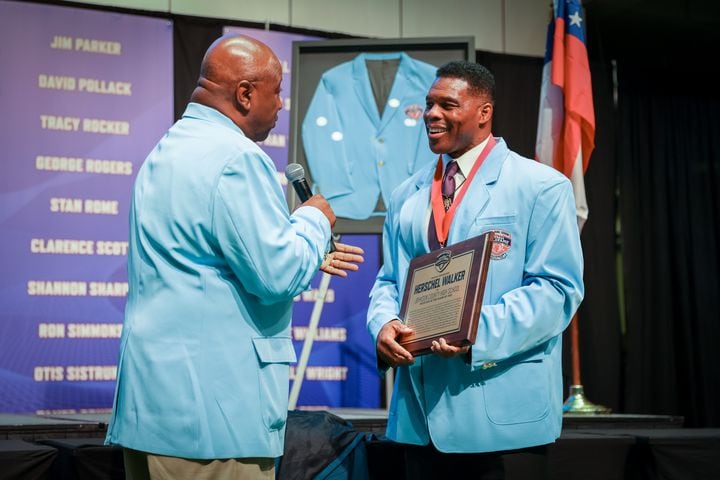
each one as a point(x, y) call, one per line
point(311, 60)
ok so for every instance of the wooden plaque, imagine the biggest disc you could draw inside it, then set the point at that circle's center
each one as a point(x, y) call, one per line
point(443, 294)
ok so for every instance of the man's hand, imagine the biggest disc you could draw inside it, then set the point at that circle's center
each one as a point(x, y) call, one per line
point(345, 258)
point(319, 202)
point(444, 349)
point(388, 349)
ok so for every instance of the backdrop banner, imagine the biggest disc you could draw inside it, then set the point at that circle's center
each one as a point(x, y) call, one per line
point(85, 97)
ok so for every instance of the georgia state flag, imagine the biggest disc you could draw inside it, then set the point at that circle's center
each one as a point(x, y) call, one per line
point(566, 123)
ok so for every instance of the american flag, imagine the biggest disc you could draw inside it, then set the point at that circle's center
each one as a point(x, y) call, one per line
point(566, 123)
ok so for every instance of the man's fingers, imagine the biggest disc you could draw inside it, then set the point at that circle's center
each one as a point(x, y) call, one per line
point(343, 265)
point(399, 356)
point(407, 357)
point(344, 259)
point(333, 271)
point(334, 265)
point(348, 257)
point(444, 349)
point(344, 247)
point(389, 349)
point(341, 261)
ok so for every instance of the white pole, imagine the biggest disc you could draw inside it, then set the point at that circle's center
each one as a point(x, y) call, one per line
point(309, 338)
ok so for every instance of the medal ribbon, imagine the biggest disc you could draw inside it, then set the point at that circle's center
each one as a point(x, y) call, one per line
point(443, 219)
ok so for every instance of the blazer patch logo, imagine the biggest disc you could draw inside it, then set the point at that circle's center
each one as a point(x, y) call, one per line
point(443, 260)
point(414, 111)
point(501, 244)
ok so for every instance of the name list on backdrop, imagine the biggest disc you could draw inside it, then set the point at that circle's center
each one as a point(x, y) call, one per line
point(89, 95)
point(341, 372)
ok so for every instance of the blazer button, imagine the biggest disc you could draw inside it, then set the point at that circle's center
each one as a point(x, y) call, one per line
point(381, 140)
point(381, 163)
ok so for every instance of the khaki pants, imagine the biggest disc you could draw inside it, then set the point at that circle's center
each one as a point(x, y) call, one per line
point(146, 466)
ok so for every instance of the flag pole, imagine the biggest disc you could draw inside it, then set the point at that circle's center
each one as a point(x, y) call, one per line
point(576, 401)
point(566, 137)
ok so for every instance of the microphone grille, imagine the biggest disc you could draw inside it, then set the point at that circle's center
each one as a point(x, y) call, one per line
point(294, 171)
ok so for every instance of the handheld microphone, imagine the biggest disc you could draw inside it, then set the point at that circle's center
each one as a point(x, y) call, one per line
point(295, 174)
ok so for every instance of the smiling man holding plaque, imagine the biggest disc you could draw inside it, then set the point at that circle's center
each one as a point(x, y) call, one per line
point(467, 404)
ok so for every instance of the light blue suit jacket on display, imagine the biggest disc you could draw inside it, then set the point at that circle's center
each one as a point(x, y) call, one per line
point(508, 394)
point(354, 154)
point(215, 261)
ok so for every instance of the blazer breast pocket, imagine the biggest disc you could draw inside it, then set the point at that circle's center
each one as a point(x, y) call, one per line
point(504, 234)
point(486, 223)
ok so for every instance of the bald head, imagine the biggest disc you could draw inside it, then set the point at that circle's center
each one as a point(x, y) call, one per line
point(240, 77)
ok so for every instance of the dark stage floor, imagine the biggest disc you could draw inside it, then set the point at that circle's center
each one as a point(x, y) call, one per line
point(602, 447)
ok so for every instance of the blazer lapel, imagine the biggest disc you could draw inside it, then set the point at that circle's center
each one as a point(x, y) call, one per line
point(478, 195)
point(363, 89)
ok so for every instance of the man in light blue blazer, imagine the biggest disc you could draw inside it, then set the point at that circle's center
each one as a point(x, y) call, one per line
point(215, 261)
point(502, 395)
point(363, 134)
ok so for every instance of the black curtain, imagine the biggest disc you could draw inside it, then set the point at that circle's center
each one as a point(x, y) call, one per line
point(667, 124)
point(517, 99)
point(669, 161)
point(191, 38)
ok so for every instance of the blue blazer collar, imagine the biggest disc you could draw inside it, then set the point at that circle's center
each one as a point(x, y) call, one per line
point(488, 173)
point(209, 114)
point(473, 203)
point(478, 195)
